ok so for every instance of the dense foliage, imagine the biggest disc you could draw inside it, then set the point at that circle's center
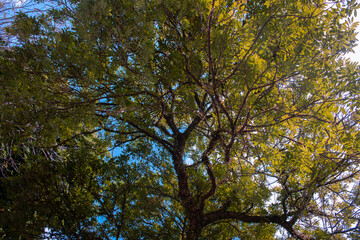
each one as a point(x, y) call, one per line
point(193, 119)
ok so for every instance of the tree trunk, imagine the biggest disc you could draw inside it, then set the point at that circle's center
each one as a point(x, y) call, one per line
point(195, 224)
point(193, 231)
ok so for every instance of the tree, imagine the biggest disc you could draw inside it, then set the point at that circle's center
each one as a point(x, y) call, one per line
point(230, 118)
point(9, 9)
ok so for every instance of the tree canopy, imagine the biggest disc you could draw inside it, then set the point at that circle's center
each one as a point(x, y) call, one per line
point(192, 119)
